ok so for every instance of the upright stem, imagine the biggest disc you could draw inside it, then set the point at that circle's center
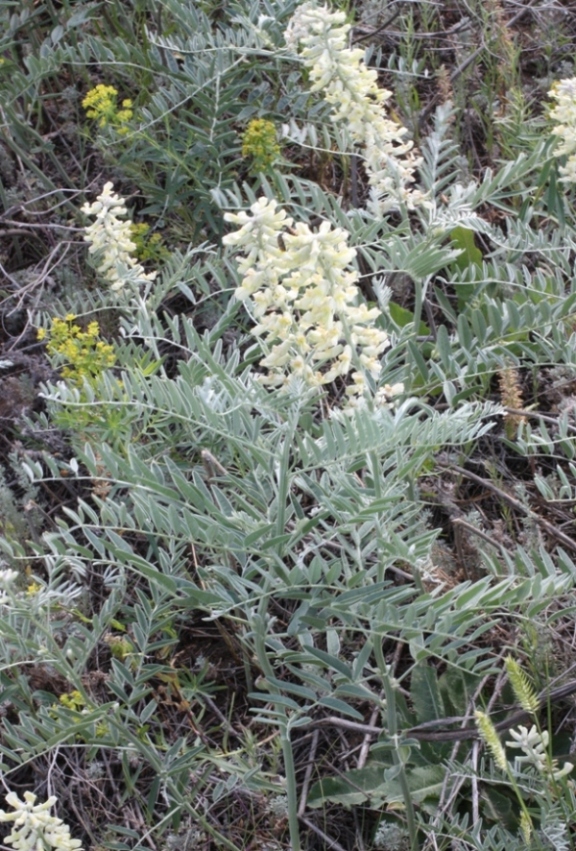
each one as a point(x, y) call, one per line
point(374, 462)
point(284, 479)
point(283, 724)
point(259, 627)
point(420, 290)
point(392, 724)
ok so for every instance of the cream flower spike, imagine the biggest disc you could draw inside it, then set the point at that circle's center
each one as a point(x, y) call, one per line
point(111, 241)
point(564, 114)
point(534, 744)
point(34, 828)
point(302, 293)
point(322, 37)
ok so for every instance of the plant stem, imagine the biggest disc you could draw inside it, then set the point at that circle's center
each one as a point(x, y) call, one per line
point(392, 724)
point(283, 725)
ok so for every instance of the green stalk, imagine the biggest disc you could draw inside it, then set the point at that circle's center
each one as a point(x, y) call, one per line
point(374, 469)
point(284, 481)
point(291, 790)
point(260, 645)
point(420, 290)
point(287, 754)
point(392, 724)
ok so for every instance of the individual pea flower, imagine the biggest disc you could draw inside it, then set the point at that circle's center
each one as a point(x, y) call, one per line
point(564, 115)
point(534, 743)
point(322, 39)
point(101, 105)
point(34, 828)
point(111, 241)
point(386, 395)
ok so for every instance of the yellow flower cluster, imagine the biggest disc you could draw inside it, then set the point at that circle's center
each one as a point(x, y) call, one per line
point(101, 105)
point(85, 355)
point(261, 143)
point(148, 247)
point(72, 700)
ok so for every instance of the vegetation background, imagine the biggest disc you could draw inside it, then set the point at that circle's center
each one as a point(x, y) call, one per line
point(233, 617)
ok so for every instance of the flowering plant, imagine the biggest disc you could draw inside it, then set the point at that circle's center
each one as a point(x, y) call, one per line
point(85, 354)
point(564, 114)
point(34, 828)
point(352, 89)
point(305, 299)
point(260, 142)
point(534, 744)
point(101, 105)
point(111, 242)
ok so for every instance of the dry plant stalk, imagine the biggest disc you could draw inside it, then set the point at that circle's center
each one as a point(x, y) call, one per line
point(511, 397)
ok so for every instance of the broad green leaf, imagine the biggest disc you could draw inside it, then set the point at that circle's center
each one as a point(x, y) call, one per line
point(403, 317)
point(470, 255)
point(355, 787)
point(425, 783)
point(498, 807)
point(425, 693)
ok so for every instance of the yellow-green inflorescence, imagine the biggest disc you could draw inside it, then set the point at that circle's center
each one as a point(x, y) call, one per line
point(101, 104)
point(260, 142)
point(489, 736)
point(73, 700)
point(524, 690)
point(86, 356)
point(149, 246)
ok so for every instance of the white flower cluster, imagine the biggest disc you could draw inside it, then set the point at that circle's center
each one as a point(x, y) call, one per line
point(564, 114)
point(305, 300)
point(535, 746)
point(34, 828)
point(352, 88)
point(391, 836)
point(111, 242)
point(7, 580)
